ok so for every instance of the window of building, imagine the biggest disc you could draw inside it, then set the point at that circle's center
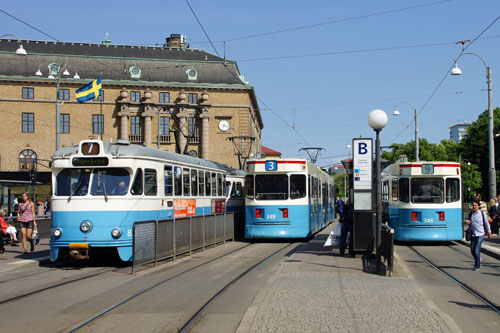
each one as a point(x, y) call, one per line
point(164, 125)
point(135, 96)
point(28, 93)
point(64, 123)
point(164, 97)
point(135, 125)
point(97, 123)
point(192, 126)
point(63, 94)
point(193, 98)
point(28, 122)
point(27, 159)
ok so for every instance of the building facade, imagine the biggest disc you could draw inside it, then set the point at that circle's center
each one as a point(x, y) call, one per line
point(172, 98)
point(458, 131)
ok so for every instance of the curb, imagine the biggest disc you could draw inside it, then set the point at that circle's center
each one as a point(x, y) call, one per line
point(485, 248)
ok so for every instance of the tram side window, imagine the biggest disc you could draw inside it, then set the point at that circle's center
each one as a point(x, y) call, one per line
point(452, 189)
point(137, 185)
point(214, 184)
point(72, 182)
point(404, 189)
point(177, 180)
point(185, 181)
point(194, 182)
point(201, 183)
point(150, 182)
point(297, 186)
point(208, 184)
point(249, 186)
point(224, 188)
point(168, 176)
point(239, 190)
point(219, 184)
point(230, 189)
point(427, 190)
point(394, 189)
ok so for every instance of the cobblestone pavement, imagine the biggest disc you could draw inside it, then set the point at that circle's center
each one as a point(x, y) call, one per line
point(315, 290)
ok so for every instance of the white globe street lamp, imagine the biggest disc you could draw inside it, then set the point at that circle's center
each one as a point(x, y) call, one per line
point(377, 119)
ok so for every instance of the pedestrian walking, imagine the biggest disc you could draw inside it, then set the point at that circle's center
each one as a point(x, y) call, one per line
point(479, 225)
point(347, 228)
point(493, 217)
point(27, 219)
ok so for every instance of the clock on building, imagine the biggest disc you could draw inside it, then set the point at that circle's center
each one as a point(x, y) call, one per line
point(224, 125)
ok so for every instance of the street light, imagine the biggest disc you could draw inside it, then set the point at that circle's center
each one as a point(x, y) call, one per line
point(20, 50)
point(396, 113)
point(492, 186)
point(345, 173)
point(377, 119)
point(55, 71)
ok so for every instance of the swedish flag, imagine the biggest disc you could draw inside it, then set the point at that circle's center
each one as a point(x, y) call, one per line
point(89, 91)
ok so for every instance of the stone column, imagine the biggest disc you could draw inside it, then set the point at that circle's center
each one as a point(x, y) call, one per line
point(148, 114)
point(205, 116)
point(123, 113)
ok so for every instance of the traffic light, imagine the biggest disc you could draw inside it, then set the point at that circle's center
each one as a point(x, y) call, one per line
point(33, 176)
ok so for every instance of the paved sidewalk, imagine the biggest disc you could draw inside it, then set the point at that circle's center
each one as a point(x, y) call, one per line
point(315, 290)
point(13, 257)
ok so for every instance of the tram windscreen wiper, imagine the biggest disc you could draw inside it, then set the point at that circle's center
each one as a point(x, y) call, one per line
point(81, 181)
point(104, 188)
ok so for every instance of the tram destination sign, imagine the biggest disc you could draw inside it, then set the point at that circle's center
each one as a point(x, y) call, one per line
point(90, 161)
point(362, 164)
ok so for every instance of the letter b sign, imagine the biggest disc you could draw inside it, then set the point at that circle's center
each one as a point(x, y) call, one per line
point(362, 148)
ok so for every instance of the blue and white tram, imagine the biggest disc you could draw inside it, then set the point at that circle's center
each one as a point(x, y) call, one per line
point(235, 185)
point(100, 189)
point(287, 198)
point(422, 201)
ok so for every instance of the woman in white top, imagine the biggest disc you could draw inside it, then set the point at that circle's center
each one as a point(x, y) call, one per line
point(478, 222)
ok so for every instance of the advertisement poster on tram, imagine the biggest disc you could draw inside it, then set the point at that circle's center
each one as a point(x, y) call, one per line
point(183, 208)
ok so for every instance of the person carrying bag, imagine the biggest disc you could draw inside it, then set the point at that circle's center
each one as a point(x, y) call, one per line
point(478, 227)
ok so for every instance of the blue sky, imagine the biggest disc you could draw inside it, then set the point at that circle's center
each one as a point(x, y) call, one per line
point(375, 54)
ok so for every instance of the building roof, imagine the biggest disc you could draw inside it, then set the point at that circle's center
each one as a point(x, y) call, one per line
point(165, 66)
point(460, 125)
point(269, 151)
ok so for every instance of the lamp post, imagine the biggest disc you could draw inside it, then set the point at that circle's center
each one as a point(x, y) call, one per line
point(492, 186)
point(20, 50)
point(345, 174)
point(55, 71)
point(396, 113)
point(377, 119)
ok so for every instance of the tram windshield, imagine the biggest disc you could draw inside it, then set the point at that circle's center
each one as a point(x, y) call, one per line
point(271, 187)
point(427, 190)
point(72, 182)
point(109, 181)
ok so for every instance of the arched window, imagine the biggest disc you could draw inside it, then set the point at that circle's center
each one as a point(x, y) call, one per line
point(27, 159)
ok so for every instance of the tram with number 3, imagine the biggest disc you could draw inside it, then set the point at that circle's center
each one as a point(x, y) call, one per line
point(287, 198)
point(422, 201)
point(100, 189)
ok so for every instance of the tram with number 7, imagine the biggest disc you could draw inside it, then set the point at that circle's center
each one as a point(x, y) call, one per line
point(287, 198)
point(422, 201)
point(100, 189)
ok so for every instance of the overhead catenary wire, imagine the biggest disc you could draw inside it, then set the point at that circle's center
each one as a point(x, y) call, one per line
point(445, 77)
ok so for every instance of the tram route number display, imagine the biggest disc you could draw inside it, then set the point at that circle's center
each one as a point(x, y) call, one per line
point(362, 164)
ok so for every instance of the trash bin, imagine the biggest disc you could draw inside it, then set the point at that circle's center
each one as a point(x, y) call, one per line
point(39, 208)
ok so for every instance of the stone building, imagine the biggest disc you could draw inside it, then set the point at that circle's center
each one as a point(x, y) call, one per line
point(173, 98)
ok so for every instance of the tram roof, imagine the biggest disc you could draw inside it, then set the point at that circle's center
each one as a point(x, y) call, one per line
point(417, 168)
point(126, 149)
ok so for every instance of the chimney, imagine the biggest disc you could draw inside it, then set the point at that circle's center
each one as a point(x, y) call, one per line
point(176, 40)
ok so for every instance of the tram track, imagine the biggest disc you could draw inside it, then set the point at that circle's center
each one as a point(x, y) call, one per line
point(126, 300)
point(483, 263)
point(197, 314)
point(461, 284)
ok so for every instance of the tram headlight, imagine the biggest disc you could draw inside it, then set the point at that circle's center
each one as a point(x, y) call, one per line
point(86, 226)
point(57, 233)
point(116, 233)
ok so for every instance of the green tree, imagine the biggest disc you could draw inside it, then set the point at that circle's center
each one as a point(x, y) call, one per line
point(338, 180)
point(474, 147)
